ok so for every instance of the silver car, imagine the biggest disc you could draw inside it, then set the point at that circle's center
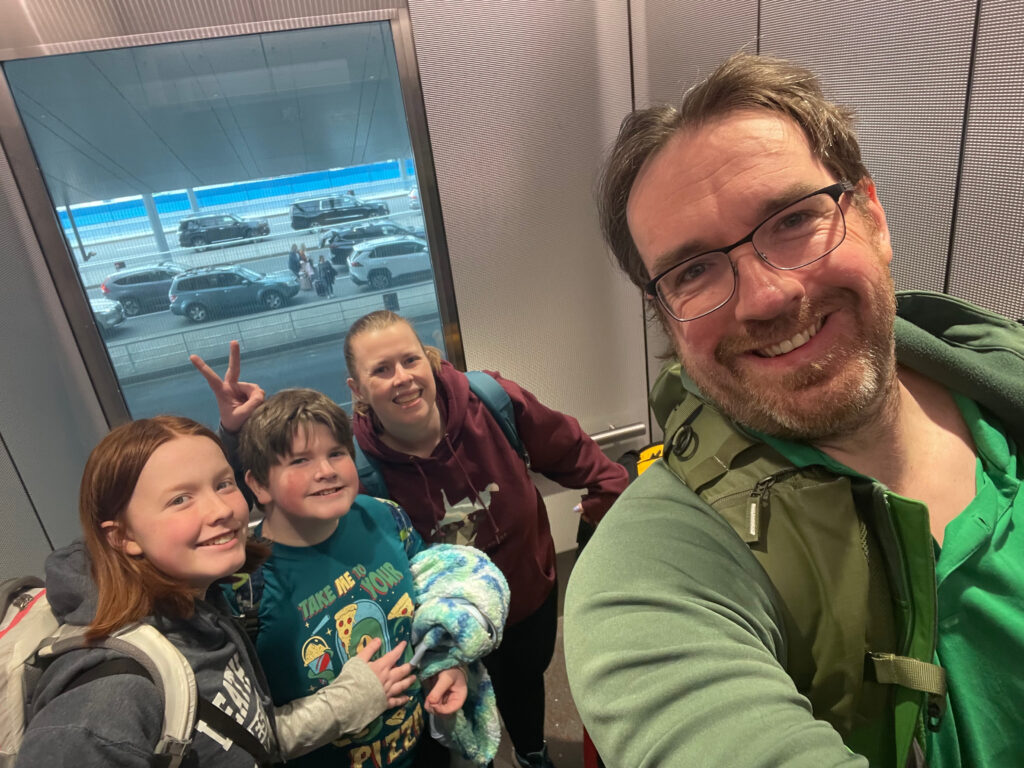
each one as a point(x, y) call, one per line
point(107, 313)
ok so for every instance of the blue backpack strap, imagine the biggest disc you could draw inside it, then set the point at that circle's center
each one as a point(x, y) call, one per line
point(493, 395)
point(369, 474)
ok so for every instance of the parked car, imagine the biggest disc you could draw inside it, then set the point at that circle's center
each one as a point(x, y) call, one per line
point(200, 293)
point(378, 263)
point(107, 313)
point(141, 289)
point(331, 210)
point(343, 239)
point(414, 199)
point(197, 231)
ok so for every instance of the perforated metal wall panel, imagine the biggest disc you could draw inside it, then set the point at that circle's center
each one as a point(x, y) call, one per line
point(903, 66)
point(988, 248)
point(676, 44)
point(521, 100)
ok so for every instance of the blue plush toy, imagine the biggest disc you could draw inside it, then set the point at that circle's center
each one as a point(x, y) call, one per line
point(461, 606)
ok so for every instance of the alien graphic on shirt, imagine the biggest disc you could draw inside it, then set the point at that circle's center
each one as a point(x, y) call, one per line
point(461, 520)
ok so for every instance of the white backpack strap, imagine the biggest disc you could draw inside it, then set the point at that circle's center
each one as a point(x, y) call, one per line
point(173, 675)
point(167, 667)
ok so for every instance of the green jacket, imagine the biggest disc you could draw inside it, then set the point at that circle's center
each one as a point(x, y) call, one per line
point(680, 648)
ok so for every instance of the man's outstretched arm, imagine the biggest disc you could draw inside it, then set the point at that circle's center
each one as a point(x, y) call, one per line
point(672, 644)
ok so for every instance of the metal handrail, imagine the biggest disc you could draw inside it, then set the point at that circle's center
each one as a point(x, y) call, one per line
point(618, 434)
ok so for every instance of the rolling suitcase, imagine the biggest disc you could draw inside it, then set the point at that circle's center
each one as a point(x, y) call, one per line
point(320, 286)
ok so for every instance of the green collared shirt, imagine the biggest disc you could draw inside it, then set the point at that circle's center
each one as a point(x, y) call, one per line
point(980, 590)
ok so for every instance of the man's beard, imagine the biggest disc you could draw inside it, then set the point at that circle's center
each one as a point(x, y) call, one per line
point(854, 380)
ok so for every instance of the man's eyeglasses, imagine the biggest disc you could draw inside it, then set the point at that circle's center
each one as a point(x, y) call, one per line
point(803, 232)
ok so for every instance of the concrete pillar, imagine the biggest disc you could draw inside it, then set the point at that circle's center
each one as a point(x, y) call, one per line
point(154, 222)
point(86, 255)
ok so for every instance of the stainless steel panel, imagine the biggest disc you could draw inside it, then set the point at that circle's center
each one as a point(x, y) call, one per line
point(36, 204)
point(23, 545)
point(987, 265)
point(675, 44)
point(49, 413)
point(903, 66)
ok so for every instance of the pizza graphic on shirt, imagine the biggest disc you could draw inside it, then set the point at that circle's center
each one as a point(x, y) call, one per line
point(403, 607)
point(357, 624)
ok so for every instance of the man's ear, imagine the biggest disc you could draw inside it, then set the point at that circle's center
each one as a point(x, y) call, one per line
point(121, 539)
point(258, 490)
point(873, 210)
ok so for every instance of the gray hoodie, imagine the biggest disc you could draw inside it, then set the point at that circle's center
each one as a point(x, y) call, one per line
point(115, 721)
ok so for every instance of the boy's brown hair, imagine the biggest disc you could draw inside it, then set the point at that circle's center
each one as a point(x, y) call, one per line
point(268, 434)
point(131, 588)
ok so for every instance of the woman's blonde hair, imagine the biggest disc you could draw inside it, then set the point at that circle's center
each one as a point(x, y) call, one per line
point(378, 321)
point(131, 588)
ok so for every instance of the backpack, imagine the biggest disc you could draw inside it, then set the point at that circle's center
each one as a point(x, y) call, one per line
point(491, 394)
point(750, 485)
point(31, 637)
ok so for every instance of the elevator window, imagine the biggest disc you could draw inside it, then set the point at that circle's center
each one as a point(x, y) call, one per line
point(184, 175)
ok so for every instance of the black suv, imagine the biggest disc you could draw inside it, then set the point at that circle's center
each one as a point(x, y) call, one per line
point(343, 239)
point(198, 231)
point(198, 293)
point(141, 288)
point(330, 210)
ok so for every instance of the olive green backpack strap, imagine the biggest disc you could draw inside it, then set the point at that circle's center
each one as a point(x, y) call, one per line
point(730, 470)
point(916, 675)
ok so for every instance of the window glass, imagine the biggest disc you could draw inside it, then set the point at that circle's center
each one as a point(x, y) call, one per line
point(197, 154)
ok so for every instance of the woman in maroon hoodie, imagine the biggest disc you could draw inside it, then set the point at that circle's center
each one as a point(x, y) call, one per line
point(444, 458)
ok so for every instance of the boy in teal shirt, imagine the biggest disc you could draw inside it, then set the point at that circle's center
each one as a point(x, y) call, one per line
point(337, 582)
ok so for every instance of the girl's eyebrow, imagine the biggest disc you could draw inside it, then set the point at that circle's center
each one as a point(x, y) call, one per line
point(174, 491)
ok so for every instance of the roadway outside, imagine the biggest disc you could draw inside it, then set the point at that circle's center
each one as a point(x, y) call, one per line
point(170, 385)
point(148, 324)
point(317, 366)
point(141, 249)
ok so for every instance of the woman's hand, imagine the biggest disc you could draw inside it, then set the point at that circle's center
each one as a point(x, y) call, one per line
point(448, 693)
point(236, 400)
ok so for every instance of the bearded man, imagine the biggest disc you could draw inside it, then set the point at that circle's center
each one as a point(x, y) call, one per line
point(827, 567)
